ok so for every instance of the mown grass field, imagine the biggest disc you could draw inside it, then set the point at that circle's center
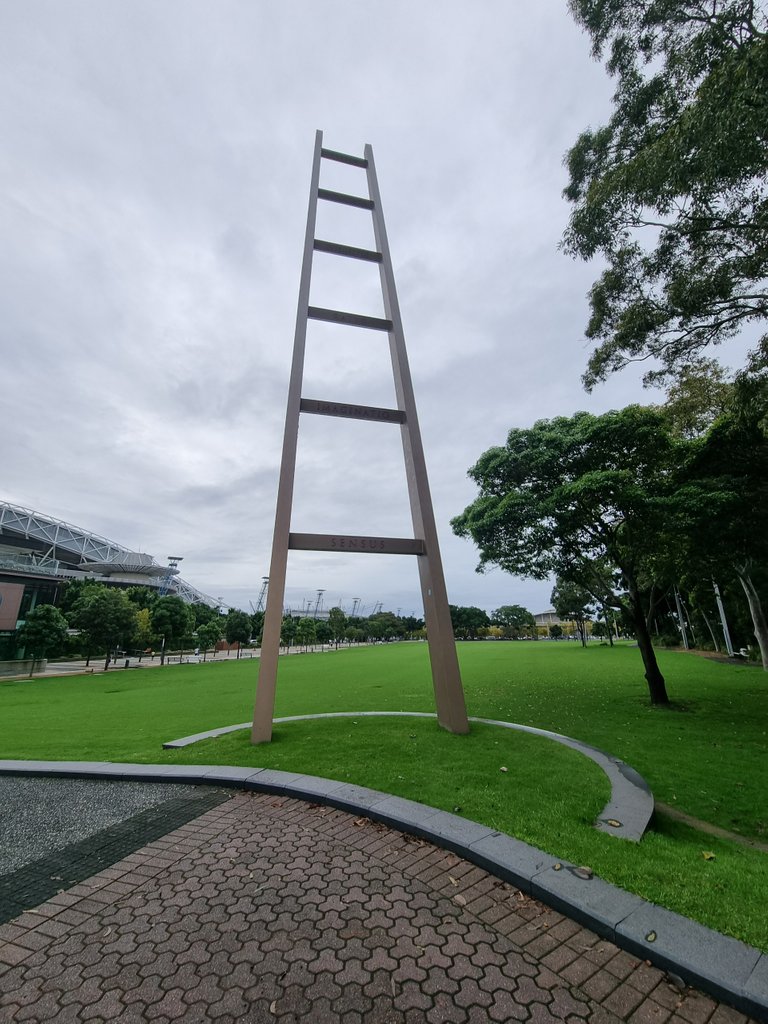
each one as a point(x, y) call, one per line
point(706, 756)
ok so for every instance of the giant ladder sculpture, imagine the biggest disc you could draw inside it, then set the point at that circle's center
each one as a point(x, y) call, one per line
point(449, 695)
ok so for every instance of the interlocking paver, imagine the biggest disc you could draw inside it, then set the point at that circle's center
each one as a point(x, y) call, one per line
point(273, 910)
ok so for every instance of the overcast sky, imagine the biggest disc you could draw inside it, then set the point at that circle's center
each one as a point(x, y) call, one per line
point(154, 176)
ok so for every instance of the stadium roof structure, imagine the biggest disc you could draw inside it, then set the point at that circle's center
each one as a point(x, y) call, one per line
point(33, 544)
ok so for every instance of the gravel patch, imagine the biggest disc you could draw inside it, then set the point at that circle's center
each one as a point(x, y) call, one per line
point(40, 816)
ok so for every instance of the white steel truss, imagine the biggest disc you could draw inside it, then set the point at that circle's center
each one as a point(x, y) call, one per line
point(65, 542)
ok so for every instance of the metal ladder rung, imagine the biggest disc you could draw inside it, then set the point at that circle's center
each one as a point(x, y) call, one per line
point(354, 412)
point(343, 158)
point(347, 250)
point(343, 542)
point(342, 197)
point(337, 316)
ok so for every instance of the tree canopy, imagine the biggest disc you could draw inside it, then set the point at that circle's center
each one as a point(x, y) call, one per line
point(172, 619)
point(337, 622)
point(725, 483)
point(208, 635)
point(106, 617)
point(673, 191)
point(44, 628)
point(237, 628)
point(574, 603)
point(514, 618)
point(467, 621)
point(579, 497)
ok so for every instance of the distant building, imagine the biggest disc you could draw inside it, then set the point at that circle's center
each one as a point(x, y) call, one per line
point(38, 554)
point(548, 618)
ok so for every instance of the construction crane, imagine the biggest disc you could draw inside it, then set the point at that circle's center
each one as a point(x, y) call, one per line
point(318, 602)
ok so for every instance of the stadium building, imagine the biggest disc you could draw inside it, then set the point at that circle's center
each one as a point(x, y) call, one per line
point(38, 554)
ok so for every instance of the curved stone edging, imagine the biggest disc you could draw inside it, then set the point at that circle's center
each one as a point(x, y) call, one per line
point(627, 814)
point(723, 966)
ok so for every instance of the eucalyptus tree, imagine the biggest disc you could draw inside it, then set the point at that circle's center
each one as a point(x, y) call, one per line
point(672, 191)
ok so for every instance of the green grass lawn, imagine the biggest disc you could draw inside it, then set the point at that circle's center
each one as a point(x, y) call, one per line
point(706, 756)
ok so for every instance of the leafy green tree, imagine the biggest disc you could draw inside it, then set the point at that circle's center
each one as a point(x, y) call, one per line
point(208, 635)
point(574, 603)
point(323, 631)
point(45, 628)
point(700, 393)
point(555, 631)
point(337, 620)
point(237, 628)
point(600, 630)
point(384, 626)
point(573, 494)
point(467, 620)
point(306, 632)
point(203, 613)
point(142, 597)
point(749, 401)
point(72, 591)
point(673, 191)
point(725, 484)
point(257, 625)
point(143, 636)
point(354, 634)
point(516, 620)
point(412, 625)
point(288, 631)
point(106, 618)
point(172, 621)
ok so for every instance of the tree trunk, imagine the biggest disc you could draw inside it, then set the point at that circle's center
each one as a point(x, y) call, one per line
point(758, 615)
point(608, 623)
point(650, 616)
point(711, 631)
point(656, 685)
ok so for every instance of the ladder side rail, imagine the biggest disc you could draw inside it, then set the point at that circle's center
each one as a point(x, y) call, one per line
point(270, 648)
point(446, 676)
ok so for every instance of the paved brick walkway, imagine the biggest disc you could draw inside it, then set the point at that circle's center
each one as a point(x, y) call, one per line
point(267, 909)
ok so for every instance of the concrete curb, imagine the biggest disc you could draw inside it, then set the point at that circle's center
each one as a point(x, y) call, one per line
point(626, 814)
point(725, 967)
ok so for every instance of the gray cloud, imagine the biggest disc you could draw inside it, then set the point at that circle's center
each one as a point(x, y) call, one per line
point(153, 191)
